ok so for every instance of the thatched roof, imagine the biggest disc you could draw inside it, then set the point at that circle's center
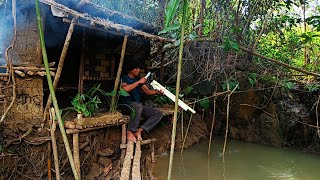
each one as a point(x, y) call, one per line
point(99, 18)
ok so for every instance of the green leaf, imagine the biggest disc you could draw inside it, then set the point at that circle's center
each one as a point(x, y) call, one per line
point(188, 90)
point(171, 10)
point(124, 93)
point(111, 94)
point(170, 28)
point(205, 103)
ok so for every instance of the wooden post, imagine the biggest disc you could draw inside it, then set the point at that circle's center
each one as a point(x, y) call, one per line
point(136, 174)
point(116, 83)
point(123, 142)
point(53, 127)
point(60, 65)
point(76, 156)
point(125, 172)
point(82, 60)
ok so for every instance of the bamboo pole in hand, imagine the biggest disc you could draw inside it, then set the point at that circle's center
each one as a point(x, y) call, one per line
point(52, 93)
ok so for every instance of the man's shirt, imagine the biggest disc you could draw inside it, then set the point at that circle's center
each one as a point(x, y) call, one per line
point(135, 94)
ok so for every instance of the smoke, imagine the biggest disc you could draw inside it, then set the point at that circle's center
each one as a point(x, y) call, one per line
point(7, 22)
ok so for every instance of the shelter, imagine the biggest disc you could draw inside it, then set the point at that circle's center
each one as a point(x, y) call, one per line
point(84, 44)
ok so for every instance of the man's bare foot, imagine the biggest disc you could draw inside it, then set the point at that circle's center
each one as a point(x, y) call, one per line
point(131, 136)
point(138, 134)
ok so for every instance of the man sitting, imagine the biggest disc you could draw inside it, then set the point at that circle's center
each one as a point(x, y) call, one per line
point(134, 85)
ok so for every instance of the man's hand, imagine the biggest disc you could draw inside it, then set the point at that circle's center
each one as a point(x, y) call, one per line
point(160, 92)
point(142, 81)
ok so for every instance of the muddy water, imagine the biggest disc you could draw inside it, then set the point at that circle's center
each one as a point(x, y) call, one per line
point(242, 161)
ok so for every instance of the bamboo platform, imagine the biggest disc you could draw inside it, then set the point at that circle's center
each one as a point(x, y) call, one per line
point(127, 150)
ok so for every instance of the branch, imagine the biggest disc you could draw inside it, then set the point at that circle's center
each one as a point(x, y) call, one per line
point(277, 62)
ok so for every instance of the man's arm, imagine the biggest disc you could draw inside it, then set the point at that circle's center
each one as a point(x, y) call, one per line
point(150, 91)
point(130, 87)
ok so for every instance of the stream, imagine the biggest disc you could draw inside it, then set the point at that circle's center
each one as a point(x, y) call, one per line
point(242, 161)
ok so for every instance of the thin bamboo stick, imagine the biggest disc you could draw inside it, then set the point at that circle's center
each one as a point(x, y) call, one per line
point(60, 65)
point(53, 96)
point(116, 82)
point(54, 143)
point(174, 127)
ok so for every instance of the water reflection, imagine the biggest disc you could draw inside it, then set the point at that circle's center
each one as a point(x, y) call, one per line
point(242, 161)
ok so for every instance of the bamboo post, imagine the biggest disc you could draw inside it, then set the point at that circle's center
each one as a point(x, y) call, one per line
point(76, 154)
point(125, 172)
point(136, 174)
point(116, 83)
point(54, 143)
point(60, 65)
point(82, 61)
point(53, 96)
point(123, 142)
point(174, 127)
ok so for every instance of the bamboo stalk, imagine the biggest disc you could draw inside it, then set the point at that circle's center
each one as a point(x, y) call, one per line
point(123, 142)
point(82, 59)
point(60, 65)
point(116, 82)
point(53, 96)
point(174, 127)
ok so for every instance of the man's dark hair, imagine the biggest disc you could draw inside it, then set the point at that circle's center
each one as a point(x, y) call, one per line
point(132, 65)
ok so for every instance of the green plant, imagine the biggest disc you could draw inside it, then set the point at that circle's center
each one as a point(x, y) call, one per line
point(113, 93)
point(205, 104)
point(232, 84)
point(312, 87)
point(86, 104)
point(286, 85)
point(252, 78)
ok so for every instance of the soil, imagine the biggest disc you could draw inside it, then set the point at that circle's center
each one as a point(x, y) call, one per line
point(99, 151)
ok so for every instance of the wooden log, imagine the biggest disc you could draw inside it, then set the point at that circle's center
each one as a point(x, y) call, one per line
point(31, 73)
point(20, 73)
point(123, 143)
point(82, 62)
point(52, 73)
point(54, 143)
point(76, 154)
point(117, 81)
point(29, 68)
point(143, 142)
point(70, 124)
point(152, 152)
point(4, 74)
point(41, 73)
point(136, 174)
point(125, 172)
point(72, 131)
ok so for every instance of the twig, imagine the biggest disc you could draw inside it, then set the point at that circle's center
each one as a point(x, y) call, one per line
point(227, 123)
point(185, 137)
point(212, 124)
point(257, 108)
point(317, 115)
